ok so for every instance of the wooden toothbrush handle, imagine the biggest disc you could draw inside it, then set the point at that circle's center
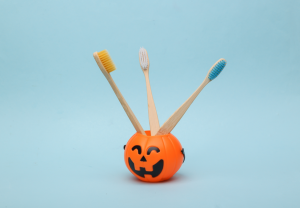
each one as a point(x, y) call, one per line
point(172, 121)
point(136, 124)
point(126, 107)
point(153, 118)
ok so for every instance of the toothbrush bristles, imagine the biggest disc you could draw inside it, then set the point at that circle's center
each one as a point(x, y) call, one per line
point(143, 58)
point(217, 69)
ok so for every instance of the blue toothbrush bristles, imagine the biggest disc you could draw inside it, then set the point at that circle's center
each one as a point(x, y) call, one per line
point(217, 69)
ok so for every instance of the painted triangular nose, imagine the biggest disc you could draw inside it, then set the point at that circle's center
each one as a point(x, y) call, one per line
point(143, 159)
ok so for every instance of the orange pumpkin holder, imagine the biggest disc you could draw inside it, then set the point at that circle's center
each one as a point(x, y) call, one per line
point(153, 158)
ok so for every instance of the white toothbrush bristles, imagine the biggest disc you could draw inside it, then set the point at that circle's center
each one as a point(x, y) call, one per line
point(143, 58)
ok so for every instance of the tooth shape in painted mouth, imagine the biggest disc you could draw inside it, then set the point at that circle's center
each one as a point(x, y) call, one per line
point(157, 168)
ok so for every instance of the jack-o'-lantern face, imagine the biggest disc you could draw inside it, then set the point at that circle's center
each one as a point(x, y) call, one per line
point(153, 158)
point(156, 168)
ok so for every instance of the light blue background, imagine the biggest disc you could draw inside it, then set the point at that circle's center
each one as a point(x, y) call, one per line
point(62, 129)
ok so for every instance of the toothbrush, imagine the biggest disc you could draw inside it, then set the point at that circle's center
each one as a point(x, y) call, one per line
point(169, 125)
point(106, 65)
point(153, 119)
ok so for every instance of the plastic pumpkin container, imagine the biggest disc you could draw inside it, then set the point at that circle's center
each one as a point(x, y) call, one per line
point(153, 158)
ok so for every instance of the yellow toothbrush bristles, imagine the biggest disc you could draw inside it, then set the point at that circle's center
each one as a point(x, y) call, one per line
point(106, 61)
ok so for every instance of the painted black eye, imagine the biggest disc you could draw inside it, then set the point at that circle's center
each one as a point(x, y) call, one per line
point(138, 147)
point(152, 148)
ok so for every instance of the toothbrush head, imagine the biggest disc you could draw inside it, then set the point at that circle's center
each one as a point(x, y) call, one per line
point(106, 61)
point(144, 61)
point(216, 69)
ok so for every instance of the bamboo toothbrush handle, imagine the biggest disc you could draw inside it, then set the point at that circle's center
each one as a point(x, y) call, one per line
point(126, 107)
point(172, 121)
point(153, 118)
point(136, 124)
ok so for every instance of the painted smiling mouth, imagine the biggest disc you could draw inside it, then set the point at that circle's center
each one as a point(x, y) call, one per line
point(157, 168)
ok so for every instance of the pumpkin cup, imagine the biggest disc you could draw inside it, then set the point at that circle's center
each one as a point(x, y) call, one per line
point(153, 158)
